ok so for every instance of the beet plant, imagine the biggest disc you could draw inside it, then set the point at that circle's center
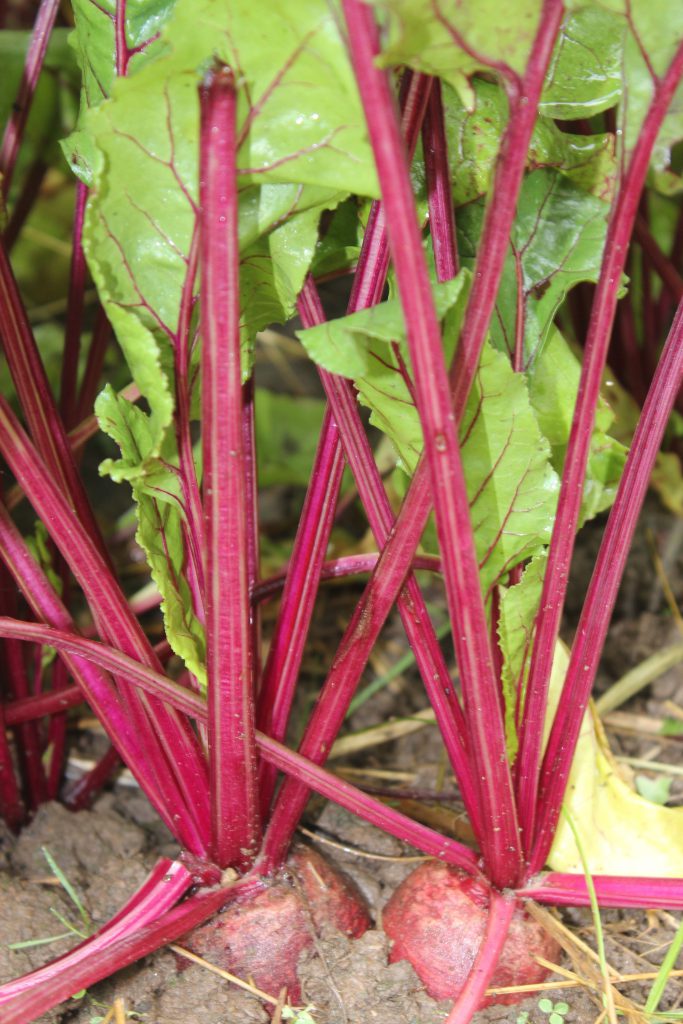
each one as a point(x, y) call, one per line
point(476, 171)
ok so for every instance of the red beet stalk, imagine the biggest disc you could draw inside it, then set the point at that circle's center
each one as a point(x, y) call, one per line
point(233, 777)
point(573, 475)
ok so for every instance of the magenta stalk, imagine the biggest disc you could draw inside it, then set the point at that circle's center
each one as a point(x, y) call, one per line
point(568, 890)
point(101, 335)
point(355, 800)
point(339, 568)
point(523, 97)
point(499, 837)
point(501, 910)
point(11, 806)
point(603, 587)
point(74, 318)
point(411, 605)
point(113, 617)
point(304, 574)
point(36, 398)
point(122, 50)
point(193, 526)
point(14, 131)
point(27, 708)
point(298, 598)
point(571, 489)
point(233, 773)
point(354, 650)
point(31, 995)
point(438, 173)
point(147, 762)
point(135, 938)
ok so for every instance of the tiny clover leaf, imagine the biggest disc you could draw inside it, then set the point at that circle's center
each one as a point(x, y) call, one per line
point(556, 1011)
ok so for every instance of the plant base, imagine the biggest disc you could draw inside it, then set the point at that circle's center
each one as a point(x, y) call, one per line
point(437, 918)
point(262, 938)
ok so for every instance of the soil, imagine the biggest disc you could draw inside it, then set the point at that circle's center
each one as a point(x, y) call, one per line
point(106, 852)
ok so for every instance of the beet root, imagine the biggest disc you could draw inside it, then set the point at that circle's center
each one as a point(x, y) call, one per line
point(262, 937)
point(437, 918)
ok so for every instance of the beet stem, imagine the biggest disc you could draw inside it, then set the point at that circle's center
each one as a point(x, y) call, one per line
point(499, 837)
point(233, 771)
point(501, 909)
point(571, 490)
point(21, 108)
point(603, 587)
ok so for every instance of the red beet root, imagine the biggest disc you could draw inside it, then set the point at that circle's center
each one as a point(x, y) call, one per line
point(437, 918)
point(263, 937)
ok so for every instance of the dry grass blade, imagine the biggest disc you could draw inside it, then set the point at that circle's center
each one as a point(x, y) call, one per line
point(317, 837)
point(587, 966)
point(572, 981)
point(384, 733)
point(265, 996)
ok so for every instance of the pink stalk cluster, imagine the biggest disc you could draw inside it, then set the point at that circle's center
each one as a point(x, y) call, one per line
point(210, 765)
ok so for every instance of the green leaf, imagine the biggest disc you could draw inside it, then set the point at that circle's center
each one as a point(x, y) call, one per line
point(667, 172)
point(584, 77)
point(557, 241)
point(146, 140)
point(657, 791)
point(518, 608)
point(553, 385)
point(452, 40)
point(95, 44)
point(340, 243)
point(297, 91)
point(145, 463)
point(287, 430)
point(512, 487)
point(342, 346)
point(272, 272)
point(654, 33)
point(545, 1005)
point(473, 137)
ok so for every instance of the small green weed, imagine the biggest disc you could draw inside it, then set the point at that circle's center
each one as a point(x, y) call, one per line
point(298, 1016)
point(82, 933)
point(555, 1011)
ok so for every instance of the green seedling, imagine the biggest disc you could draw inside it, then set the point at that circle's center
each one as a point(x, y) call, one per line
point(597, 922)
point(82, 933)
point(98, 1018)
point(660, 981)
point(298, 1016)
point(555, 1011)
